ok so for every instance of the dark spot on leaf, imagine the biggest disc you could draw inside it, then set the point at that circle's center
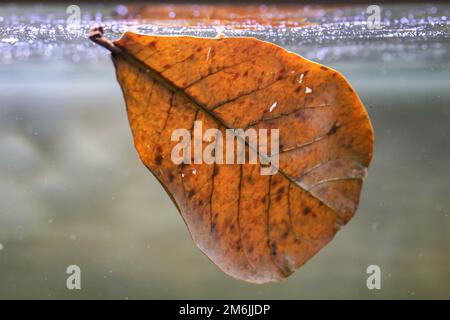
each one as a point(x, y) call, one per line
point(158, 160)
point(306, 210)
point(334, 128)
point(273, 248)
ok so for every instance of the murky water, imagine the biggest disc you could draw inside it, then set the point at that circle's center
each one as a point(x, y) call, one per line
point(72, 190)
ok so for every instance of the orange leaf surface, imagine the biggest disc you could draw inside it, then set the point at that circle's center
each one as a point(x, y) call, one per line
point(257, 228)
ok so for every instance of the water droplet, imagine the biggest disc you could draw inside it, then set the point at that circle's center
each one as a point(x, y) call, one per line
point(220, 34)
point(273, 106)
point(11, 41)
point(121, 10)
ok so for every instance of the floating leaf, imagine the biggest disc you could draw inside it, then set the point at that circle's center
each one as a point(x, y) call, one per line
point(257, 228)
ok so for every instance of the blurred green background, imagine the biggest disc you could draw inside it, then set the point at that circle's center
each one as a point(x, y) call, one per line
point(73, 191)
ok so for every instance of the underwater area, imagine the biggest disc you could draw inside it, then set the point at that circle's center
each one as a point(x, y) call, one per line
point(73, 190)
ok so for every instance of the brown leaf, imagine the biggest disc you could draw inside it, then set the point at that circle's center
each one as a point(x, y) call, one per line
point(257, 228)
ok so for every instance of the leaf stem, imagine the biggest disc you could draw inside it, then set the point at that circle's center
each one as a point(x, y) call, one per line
point(96, 34)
